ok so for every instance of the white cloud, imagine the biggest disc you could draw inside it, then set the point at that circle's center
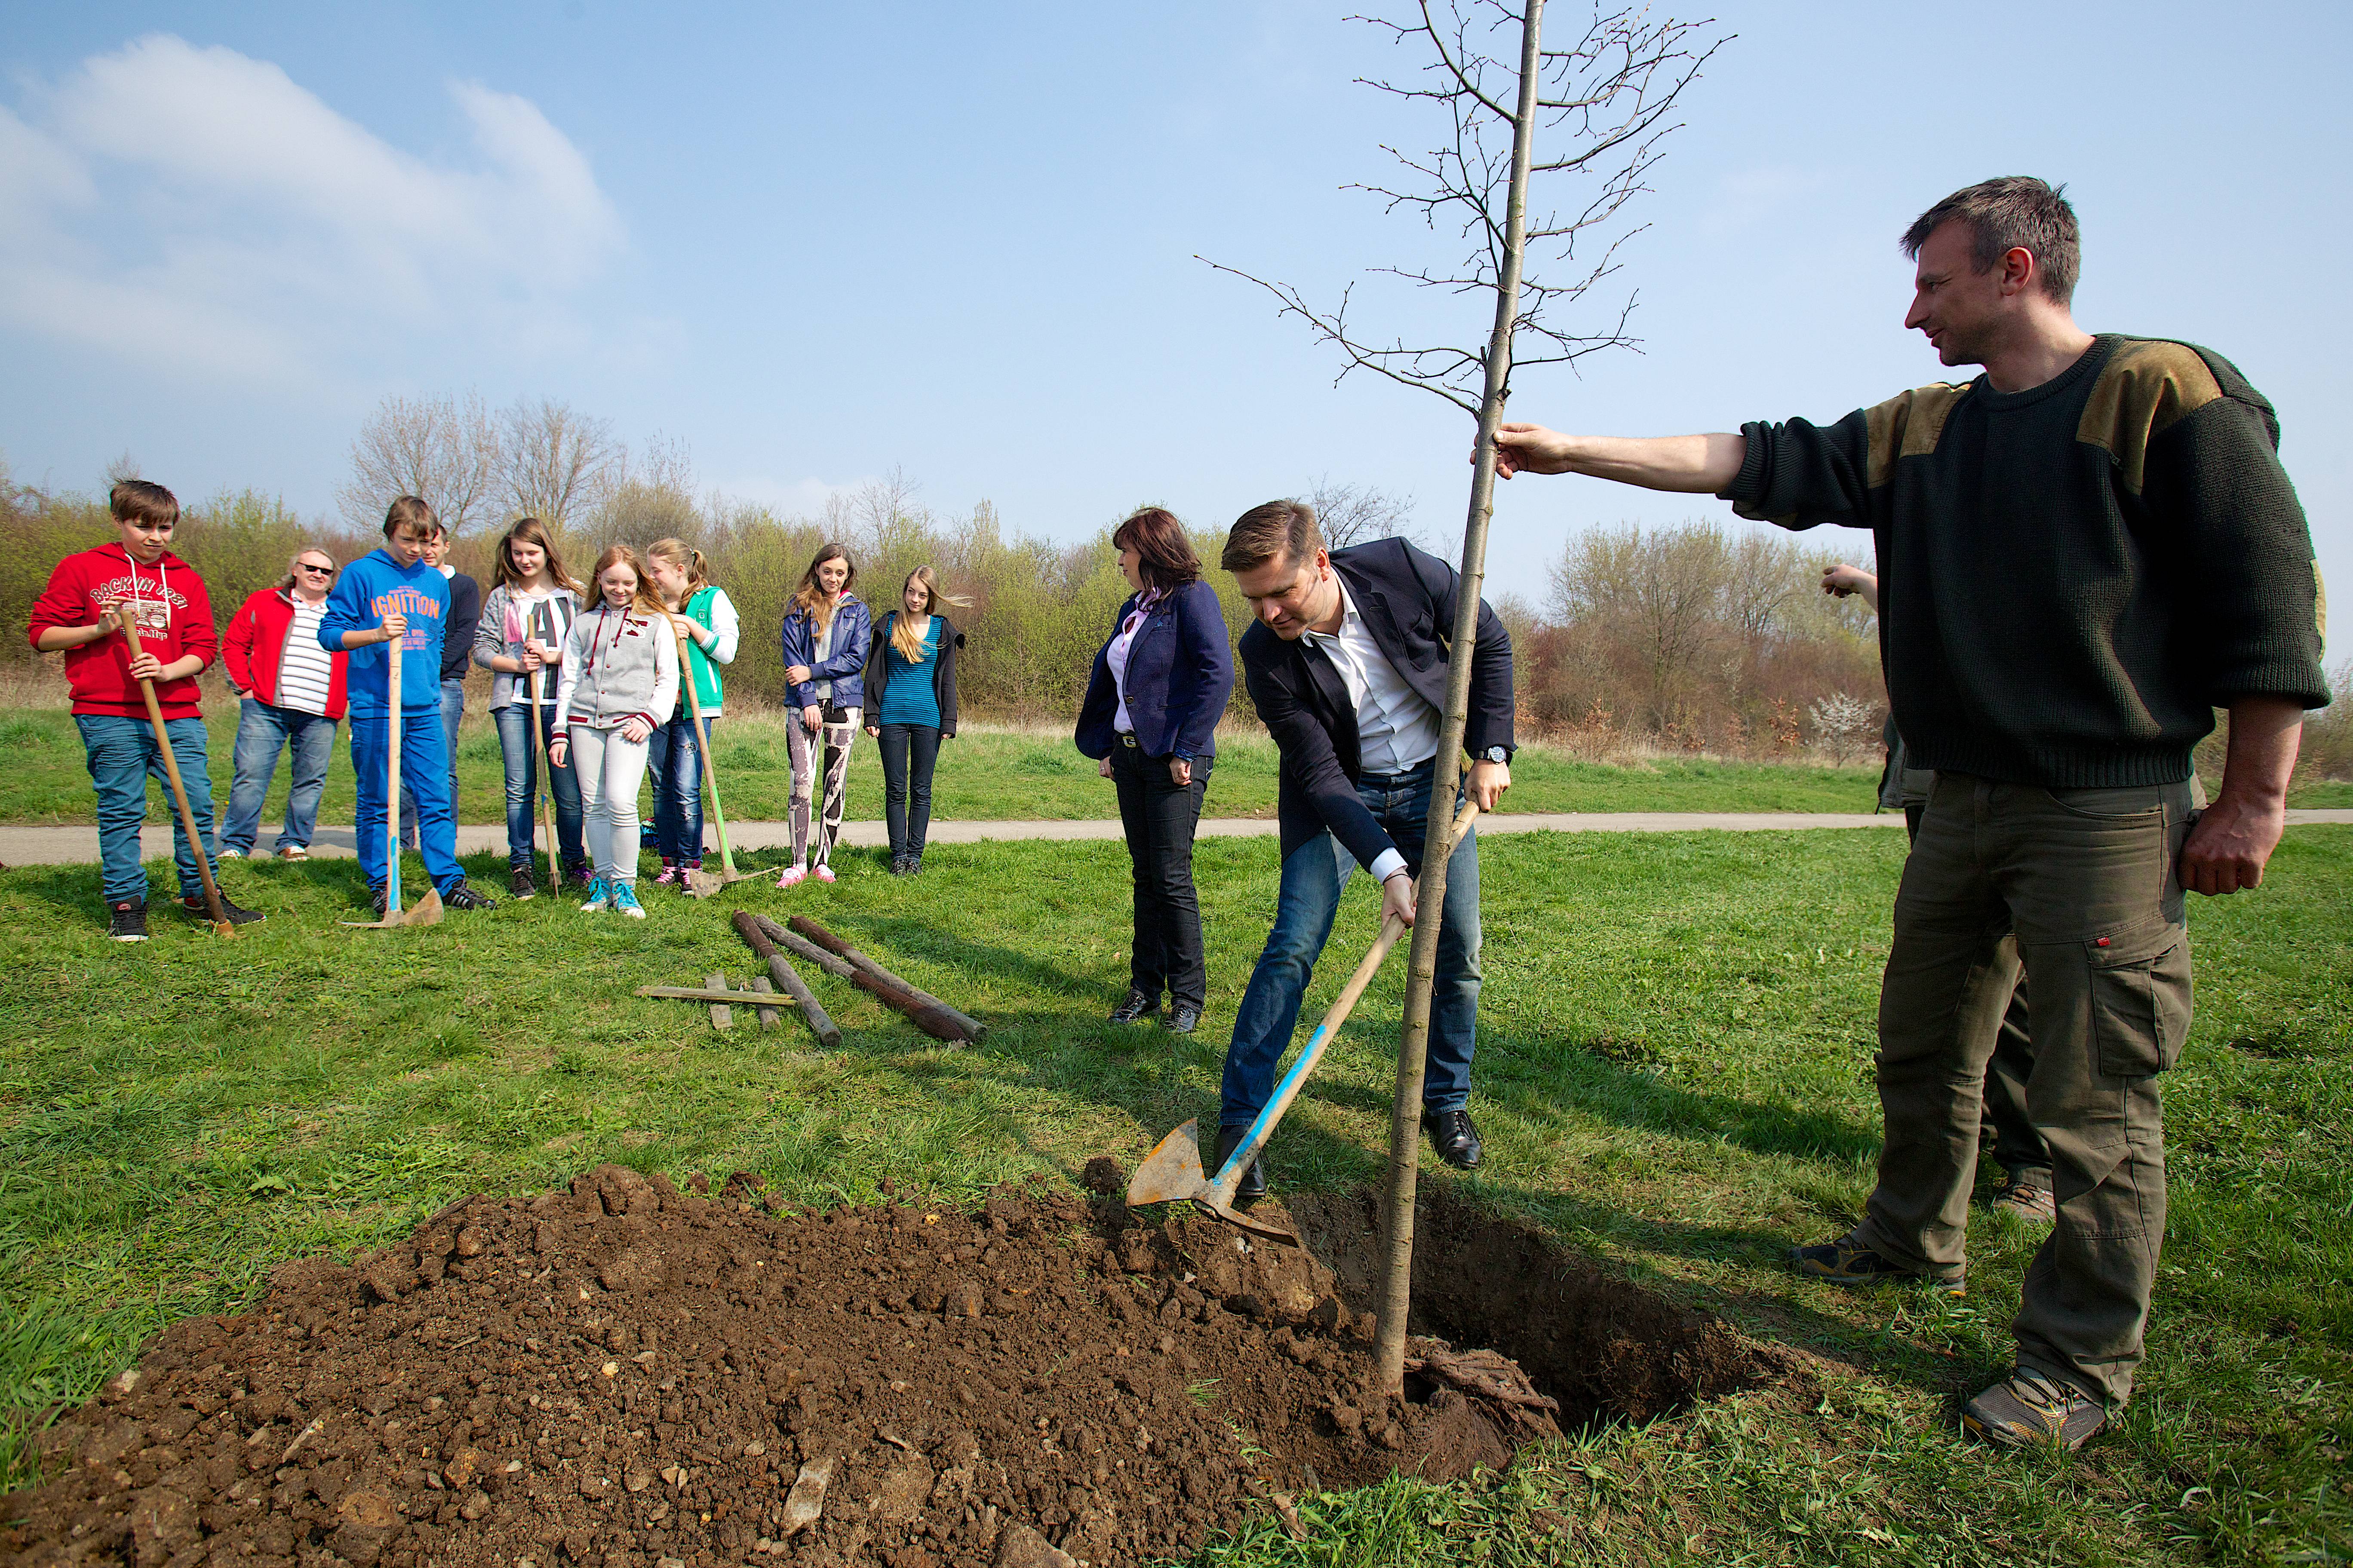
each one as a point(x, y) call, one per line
point(788, 497)
point(198, 204)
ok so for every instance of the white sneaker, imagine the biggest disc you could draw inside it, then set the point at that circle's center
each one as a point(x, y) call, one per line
point(823, 873)
point(229, 854)
point(792, 877)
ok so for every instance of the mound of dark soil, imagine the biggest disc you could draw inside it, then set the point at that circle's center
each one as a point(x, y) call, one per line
point(627, 1374)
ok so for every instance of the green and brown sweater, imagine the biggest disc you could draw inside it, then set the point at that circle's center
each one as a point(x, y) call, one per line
point(2071, 577)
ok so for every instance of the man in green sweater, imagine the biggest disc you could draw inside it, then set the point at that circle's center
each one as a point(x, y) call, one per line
point(2083, 553)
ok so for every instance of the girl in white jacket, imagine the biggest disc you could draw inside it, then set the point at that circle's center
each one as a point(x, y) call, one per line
point(620, 680)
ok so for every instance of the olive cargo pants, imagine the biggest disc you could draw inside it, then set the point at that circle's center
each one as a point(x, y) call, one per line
point(2085, 879)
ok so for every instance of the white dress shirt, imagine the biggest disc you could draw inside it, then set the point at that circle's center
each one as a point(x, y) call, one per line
point(1397, 729)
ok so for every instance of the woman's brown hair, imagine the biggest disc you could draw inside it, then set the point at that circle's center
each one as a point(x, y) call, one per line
point(808, 599)
point(903, 633)
point(1164, 556)
point(647, 600)
point(530, 530)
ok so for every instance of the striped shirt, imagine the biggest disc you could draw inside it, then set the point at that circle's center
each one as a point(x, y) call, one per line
point(304, 667)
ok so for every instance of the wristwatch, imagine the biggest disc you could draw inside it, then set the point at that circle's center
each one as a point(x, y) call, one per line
point(1496, 754)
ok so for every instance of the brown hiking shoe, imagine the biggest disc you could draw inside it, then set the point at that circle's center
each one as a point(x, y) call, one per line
point(1847, 1262)
point(2028, 1409)
point(2028, 1198)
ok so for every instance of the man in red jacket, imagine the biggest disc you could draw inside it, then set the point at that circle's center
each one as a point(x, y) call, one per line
point(166, 600)
point(290, 694)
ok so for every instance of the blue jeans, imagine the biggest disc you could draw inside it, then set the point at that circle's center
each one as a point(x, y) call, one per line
point(453, 707)
point(909, 753)
point(262, 732)
point(1313, 876)
point(423, 756)
point(522, 761)
point(122, 757)
point(675, 764)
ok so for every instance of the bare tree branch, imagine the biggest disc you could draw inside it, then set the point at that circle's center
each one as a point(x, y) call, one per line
point(560, 464)
point(1609, 100)
point(444, 449)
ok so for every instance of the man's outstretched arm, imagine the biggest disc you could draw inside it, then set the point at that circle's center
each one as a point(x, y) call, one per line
point(1701, 464)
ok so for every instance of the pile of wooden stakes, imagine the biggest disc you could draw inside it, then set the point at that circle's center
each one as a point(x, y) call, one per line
point(815, 945)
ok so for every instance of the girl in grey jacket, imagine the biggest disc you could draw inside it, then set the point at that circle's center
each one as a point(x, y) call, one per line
point(619, 680)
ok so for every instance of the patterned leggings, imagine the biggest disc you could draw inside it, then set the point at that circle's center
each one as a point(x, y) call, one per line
point(841, 724)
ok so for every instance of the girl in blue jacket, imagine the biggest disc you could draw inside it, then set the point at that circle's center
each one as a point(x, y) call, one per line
point(826, 638)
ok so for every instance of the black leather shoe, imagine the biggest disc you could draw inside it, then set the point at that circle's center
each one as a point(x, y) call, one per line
point(1253, 1181)
point(1183, 1018)
point(1136, 1008)
point(1456, 1140)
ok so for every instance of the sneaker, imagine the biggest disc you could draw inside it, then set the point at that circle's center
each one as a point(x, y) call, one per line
point(624, 901)
point(237, 917)
point(1847, 1262)
point(466, 897)
point(294, 852)
point(600, 897)
point(792, 877)
point(899, 865)
point(229, 854)
point(2029, 1410)
point(823, 873)
point(378, 901)
point(520, 885)
point(670, 876)
point(2029, 1200)
point(576, 874)
point(916, 864)
point(127, 921)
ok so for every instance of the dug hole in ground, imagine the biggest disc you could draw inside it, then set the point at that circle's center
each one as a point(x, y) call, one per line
point(624, 1373)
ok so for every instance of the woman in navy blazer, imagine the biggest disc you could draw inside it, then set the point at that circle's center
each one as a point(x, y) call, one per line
point(1150, 717)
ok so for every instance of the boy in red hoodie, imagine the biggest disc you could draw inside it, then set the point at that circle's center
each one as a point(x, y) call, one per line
point(167, 601)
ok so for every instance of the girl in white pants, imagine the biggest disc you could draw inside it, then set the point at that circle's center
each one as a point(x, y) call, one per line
point(620, 669)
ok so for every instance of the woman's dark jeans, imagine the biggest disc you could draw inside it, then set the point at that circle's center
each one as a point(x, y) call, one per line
point(1160, 815)
point(674, 763)
point(909, 752)
point(523, 760)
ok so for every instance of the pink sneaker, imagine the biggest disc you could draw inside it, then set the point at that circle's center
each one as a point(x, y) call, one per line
point(669, 875)
point(792, 877)
point(823, 873)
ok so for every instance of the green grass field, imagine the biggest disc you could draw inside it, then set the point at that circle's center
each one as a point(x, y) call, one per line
point(1675, 1074)
point(984, 773)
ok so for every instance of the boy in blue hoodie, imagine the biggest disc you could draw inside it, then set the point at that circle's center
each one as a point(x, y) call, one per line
point(391, 594)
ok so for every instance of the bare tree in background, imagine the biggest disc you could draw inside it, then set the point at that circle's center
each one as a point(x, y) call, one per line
point(1354, 514)
point(561, 464)
point(1607, 98)
point(651, 496)
point(444, 449)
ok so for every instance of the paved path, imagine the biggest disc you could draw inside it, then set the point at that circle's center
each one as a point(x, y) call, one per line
point(71, 846)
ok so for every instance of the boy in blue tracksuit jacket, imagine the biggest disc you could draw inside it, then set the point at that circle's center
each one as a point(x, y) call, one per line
point(391, 594)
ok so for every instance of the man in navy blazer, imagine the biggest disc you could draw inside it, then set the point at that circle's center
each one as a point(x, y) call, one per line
point(1346, 664)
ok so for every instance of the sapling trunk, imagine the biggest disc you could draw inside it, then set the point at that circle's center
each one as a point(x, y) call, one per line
point(1413, 1047)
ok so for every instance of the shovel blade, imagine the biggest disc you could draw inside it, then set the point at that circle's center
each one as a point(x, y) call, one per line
point(702, 884)
point(1172, 1171)
point(426, 911)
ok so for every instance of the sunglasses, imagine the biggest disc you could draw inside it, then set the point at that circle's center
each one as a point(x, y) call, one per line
point(321, 571)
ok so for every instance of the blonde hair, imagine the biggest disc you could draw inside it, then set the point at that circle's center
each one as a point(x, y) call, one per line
point(903, 633)
point(647, 600)
point(808, 599)
point(687, 559)
point(286, 583)
point(530, 530)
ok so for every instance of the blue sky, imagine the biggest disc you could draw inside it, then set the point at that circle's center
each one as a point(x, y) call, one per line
point(816, 244)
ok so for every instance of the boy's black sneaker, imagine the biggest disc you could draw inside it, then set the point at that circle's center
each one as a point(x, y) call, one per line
point(127, 922)
point(520, 885)
point(237, 917)
point(378, 901)
point(463, 896)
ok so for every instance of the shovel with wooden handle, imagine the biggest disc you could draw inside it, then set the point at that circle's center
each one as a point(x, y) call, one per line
point(540, 745)
point(701, 883)
point(1173, 1170)
point(214, 910)
point(428, 908)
